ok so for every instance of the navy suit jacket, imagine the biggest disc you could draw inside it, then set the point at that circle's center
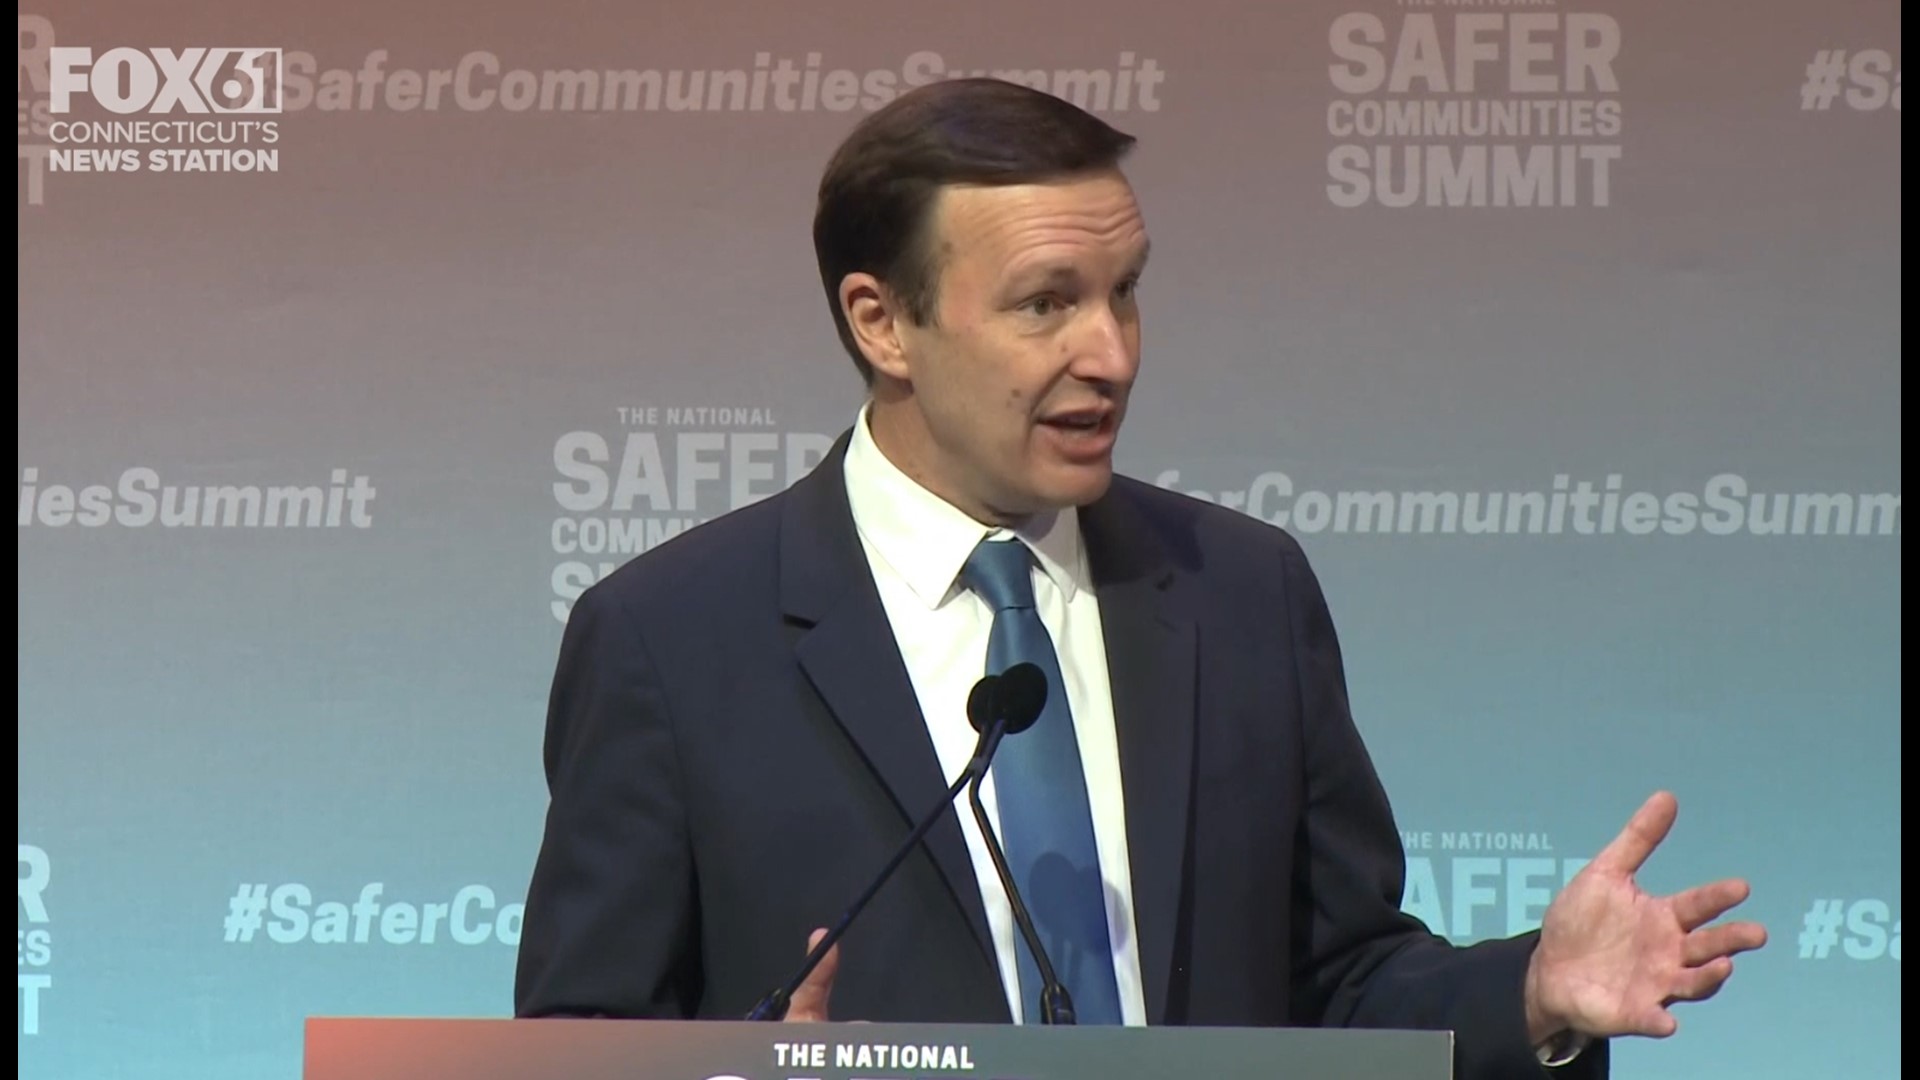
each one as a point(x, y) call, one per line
point(734, 748)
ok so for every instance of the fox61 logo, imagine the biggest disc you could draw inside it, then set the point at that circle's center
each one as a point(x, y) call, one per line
point(158, 81)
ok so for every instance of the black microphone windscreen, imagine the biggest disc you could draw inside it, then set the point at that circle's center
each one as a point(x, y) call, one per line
point(1020, 695)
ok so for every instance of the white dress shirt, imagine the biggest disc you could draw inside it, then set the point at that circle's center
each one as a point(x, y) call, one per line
point(916, 543)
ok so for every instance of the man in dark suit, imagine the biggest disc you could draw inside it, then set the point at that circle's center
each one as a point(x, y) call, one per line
point(746, 721)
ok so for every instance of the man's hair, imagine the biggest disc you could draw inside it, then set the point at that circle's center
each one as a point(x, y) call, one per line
point(877, 195)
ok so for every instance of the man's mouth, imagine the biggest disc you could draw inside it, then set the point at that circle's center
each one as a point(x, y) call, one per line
point(1087, 420)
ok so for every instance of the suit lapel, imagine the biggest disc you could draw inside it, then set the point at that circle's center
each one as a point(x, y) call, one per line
point(1151, 660)
point(847, 650)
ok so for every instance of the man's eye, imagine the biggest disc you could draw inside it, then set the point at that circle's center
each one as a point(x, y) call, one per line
point(1043, 305)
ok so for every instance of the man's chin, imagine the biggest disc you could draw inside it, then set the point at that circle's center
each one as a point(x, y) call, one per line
point(1079, 486)
point(1087, 486)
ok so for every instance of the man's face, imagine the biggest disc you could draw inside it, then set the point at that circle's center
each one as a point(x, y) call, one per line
point(1013, 393)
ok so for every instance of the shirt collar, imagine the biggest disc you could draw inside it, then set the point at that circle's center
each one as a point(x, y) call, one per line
point(926, 539)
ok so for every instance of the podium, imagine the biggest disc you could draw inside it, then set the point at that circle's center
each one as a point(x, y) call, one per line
point(353, 1048)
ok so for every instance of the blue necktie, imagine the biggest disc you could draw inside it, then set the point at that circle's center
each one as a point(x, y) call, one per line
point(1041, 791)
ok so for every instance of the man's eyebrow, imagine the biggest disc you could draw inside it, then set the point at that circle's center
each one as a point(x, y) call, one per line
point(1065, 273)
point(1047, 274)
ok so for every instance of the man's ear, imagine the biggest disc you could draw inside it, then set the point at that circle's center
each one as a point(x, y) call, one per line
point(877, 320)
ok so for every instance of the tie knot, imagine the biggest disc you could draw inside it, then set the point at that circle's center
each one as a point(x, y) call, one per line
point(1001, 572)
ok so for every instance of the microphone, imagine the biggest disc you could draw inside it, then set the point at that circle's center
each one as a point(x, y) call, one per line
point(1020, 695)
point(987, 714)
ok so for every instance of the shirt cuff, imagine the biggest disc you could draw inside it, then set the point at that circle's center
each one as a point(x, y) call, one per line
point(1561, 1049)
